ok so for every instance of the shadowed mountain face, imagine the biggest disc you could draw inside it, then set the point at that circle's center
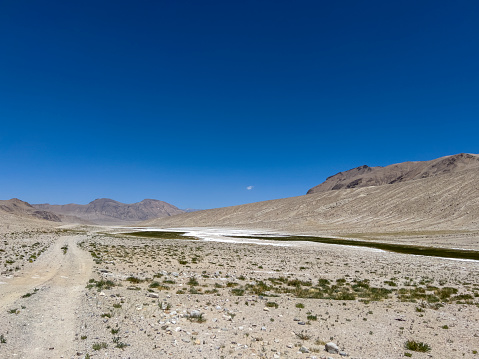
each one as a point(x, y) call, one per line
point(108, 211)
point(365, 176)
point(20, 208)
point(439, 195)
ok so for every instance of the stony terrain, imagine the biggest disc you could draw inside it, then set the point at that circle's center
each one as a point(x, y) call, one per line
point(92, 292)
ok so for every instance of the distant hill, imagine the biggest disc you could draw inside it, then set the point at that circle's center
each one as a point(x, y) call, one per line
point(108, 211)
point(438, 195)
point(20, 208)
point(365, 176)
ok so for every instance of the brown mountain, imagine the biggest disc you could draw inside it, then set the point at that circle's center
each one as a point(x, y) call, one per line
point(365, 176)
point(108, 211)
point(440, 195)
point(20, 208)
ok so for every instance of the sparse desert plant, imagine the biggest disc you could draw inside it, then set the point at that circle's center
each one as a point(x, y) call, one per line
point(2, 339)
point(134, 280)
point(272, 305)
point(417, 346)
point(193, 281)
point(300, 305)
point(99, 346)
point(196, 317)
point(237, 291)
point(320, 342)
point(303, 335)
point(121, 345)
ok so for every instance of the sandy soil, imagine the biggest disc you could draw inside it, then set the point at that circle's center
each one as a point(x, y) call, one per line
point(45, 297)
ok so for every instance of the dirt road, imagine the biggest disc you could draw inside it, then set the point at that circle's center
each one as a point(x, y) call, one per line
point(43, 325)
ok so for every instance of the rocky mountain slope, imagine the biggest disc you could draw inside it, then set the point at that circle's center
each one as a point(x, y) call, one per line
point(449, 202)
point(108, 211)
point(20, 208)
point(365, 176)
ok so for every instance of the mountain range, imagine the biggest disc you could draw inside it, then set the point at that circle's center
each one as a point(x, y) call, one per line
point(108, 211)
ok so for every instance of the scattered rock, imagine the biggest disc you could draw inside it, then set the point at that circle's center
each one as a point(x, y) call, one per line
point(331, 348)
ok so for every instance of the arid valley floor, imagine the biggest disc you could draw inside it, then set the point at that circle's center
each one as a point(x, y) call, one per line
point(90, 292)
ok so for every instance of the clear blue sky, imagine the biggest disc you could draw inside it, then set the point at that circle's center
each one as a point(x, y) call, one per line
point(191, 102)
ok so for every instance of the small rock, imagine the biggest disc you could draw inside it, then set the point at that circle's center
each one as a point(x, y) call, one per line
point(153, 295)
point(303, 349)
point(331, 348)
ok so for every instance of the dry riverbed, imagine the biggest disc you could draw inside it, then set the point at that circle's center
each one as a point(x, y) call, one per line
point(117, 296)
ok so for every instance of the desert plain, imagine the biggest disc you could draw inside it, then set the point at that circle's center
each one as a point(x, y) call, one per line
point(86, 292)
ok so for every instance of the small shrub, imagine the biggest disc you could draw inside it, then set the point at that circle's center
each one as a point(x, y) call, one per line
point(99, 346)
point(272, 304)
point(134, 280)
point(300, 305)
point(303, 335)
point(196, 317)
point(417, 346)
point(192, 282)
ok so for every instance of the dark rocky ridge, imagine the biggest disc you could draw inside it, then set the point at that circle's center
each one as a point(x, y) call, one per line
point(365, 176)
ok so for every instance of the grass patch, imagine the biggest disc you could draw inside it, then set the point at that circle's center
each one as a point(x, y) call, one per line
point(100, 284)
point(417, 346)
point(99, 346)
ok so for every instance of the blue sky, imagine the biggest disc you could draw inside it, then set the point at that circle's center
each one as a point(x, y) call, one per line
point(191, 102)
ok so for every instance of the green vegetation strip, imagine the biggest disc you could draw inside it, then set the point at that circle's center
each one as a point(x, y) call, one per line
point(160, 235)
point(398, 248)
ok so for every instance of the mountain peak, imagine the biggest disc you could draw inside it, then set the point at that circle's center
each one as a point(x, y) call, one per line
point(365, 176)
